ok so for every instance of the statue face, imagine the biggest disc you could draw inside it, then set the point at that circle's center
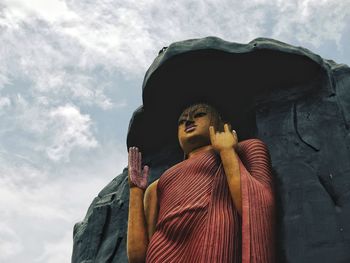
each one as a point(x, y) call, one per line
point(193, 127)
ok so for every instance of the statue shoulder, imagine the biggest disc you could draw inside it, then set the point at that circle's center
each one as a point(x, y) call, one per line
point(253, 147)
point(253, 142)
point(152, 188)
point(154, 184)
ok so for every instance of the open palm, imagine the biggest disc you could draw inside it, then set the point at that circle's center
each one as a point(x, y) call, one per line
point(137, 176)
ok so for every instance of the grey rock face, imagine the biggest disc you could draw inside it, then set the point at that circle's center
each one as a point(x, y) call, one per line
point(303, 117)
point(309, 145)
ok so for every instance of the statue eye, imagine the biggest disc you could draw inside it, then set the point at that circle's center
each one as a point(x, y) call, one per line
point(200, 114)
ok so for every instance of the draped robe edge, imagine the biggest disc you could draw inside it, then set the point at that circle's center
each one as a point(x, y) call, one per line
point(257, 189)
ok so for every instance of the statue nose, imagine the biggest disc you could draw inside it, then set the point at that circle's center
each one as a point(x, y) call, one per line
point(189, 121)
point(190, 117)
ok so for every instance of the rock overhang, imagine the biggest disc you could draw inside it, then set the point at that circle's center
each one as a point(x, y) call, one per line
point(226, 74)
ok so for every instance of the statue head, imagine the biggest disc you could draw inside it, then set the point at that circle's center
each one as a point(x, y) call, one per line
point(193, 126)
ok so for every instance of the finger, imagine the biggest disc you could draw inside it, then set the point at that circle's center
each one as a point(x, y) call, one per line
point(134, 157)
point(234, 133)
point(136, 154)
point(139, 161)
point(131, 163)
point(145, 171)
point(212, 133)
point(131, 156)
point(226, 128)
point(132, 174)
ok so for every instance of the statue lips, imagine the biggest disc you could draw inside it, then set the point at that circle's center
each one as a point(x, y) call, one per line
point(190, 128)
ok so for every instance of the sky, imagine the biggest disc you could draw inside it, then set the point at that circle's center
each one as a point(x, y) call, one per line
point(70, 78)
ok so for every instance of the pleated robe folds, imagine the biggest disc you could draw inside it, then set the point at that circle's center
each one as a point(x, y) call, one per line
point(197, 220)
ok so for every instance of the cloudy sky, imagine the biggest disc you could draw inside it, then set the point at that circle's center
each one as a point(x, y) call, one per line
point(70, 78)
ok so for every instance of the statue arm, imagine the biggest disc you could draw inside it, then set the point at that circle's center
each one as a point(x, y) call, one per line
point(256, 158)
point(151, 208)
point(137, 237)
point(141, 226)
point(231, 166)
point(226, 143)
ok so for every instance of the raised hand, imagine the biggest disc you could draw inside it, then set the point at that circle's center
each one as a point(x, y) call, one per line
point(137, 176)
point(221, 141)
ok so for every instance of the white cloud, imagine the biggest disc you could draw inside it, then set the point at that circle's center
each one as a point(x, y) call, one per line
point(50, 64)
point(58, 251)
point(72, 130)
point(9, 242)
point(51, 11)
point(51, 132)
point(4, 102)
point(41, 203)
point(4, 80)
point(311, 21)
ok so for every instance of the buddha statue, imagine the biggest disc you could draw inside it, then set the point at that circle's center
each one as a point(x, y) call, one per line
point(217, 205)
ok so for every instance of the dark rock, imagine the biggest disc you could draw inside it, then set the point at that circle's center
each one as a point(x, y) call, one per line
point(301, 110)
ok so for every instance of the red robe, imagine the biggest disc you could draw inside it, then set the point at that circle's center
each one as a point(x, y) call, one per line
point(197, 220)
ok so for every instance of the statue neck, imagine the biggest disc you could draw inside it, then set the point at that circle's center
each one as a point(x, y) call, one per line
point(199, 150)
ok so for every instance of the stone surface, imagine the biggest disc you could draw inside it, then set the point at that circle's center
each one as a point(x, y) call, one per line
point(301, 109)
